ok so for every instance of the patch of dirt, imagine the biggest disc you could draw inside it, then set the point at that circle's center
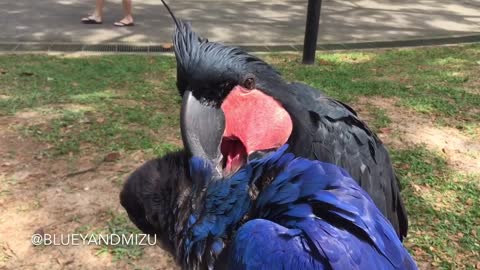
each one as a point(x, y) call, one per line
point(43, 115)
point(36, 196)
point(443, 200)
point(357, 58)
point(409, 128)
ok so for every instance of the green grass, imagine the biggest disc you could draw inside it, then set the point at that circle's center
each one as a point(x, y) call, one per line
point(131, 102)
point(380, 118)
point(128, 102)
point(94, 105)
point(443, 208)
point(435, 81)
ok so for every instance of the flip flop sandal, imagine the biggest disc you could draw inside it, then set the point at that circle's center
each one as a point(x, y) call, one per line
point(122, 24)
point(89, 20)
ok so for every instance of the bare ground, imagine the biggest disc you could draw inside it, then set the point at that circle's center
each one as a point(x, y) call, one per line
point(36, 195)
point(410, 128)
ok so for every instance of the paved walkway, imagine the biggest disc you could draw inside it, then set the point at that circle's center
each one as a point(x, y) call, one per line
point(240, 22)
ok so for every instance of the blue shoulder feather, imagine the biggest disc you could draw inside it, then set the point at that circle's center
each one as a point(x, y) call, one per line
point(339, 225)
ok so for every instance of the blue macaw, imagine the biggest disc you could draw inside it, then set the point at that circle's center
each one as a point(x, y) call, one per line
point(282, 212)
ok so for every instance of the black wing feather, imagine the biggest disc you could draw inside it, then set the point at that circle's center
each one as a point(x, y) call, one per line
point(341, 138)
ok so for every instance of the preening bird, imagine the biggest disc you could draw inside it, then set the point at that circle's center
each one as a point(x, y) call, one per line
point(235, 105)
point(275, 212)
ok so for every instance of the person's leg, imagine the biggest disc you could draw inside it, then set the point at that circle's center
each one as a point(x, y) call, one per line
point(97, 15)
point(127, 10)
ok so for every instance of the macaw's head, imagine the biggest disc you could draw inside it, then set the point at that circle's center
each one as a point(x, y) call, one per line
point(228, 110)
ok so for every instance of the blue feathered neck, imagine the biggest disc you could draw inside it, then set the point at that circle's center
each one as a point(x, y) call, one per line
point(218, 205)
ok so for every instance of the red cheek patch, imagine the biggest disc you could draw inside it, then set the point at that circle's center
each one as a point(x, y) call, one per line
point(256, 119)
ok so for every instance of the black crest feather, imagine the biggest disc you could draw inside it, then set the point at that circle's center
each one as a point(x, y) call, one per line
point(171, 13)
point(209, 65)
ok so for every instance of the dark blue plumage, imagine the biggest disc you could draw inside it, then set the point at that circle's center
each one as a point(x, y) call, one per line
point(282, 212)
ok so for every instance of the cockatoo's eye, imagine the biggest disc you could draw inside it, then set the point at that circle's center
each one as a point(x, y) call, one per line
point(249, 82)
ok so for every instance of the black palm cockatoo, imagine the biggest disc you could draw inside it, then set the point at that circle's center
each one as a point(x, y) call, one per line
point(236, 105)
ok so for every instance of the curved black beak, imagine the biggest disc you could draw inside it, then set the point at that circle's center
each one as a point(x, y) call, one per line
point(202, 128)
